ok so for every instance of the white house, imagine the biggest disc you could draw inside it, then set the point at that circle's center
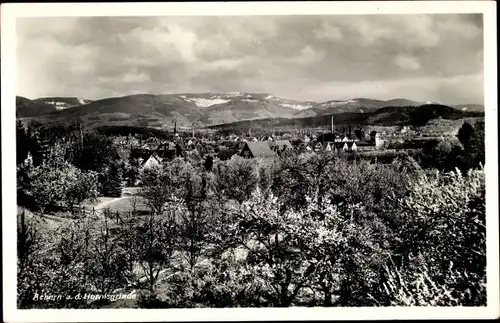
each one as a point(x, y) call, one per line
point(152, 161)
point(350, 146)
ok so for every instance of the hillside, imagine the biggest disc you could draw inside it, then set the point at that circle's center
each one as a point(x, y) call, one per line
point(470, 107)
point(61, 103)
point(387, 116)
point(158, 111)
point(212, 109)
point(358, 105)
point(26, 108)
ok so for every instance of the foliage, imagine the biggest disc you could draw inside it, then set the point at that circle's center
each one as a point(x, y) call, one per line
point(302, 230)
point(111, 180)
point(93, 151)
point(76, 258)
point(22, 143)
point(444, 231)
point(472, 138)
point(82, 186)
point(236, 178)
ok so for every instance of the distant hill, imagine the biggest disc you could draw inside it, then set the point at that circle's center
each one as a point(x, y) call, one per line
point(361, 105)
point(212, 109)
point(61, 103)
point(470, 107)
point(158, 111)
point(26, 108)
point(387, 116)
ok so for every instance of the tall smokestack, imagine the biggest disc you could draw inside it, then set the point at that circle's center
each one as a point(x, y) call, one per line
point(332, 124)
point(175, 127)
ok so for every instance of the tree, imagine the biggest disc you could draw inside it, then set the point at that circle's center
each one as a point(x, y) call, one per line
point(472, 139)
point(208, 164)
point(289, 252)
point(132, 171)
point(445, 155)
point(236, 178)
point(157, 186)
point(108, 264)
point(154, 242)
point(82, 186)
point(112, 180)
point(22, 143)
point(46, 185)
point(226, 153)
point(465, 134)
point(443, 233)
point(93, 152)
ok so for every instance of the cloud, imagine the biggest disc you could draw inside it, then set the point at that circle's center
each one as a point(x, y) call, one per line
point(307, 56)
point(328, 32)
point(407, 62)
point(301, 57)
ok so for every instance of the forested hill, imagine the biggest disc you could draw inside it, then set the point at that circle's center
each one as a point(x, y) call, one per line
point(388, 116)
point(26, 108)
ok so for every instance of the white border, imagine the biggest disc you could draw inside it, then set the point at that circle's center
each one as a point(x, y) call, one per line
point(10, 11)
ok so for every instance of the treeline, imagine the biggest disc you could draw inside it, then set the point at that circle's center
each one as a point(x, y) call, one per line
point(388, 116)
point(139, 132)
point(304, 230)
point(65, 157)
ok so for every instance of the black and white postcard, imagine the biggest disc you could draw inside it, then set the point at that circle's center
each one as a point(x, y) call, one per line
point(249, 160)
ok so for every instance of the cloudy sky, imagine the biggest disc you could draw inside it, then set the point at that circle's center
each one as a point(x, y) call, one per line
point(420, 57)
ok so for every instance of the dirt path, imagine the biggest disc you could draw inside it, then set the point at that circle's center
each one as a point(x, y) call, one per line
point(102, 205)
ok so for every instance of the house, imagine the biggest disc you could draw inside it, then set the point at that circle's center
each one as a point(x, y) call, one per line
point(152, 161)
point(307, 139)
point(350, 146)
point(318, 147)
point(256, 150)
point(329, 146)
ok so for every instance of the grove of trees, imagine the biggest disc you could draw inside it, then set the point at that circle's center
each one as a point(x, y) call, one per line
point(299, 230)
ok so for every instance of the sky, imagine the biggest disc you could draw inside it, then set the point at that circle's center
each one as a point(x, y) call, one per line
point(435, 57)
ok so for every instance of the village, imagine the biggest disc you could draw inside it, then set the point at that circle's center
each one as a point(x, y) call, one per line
point(153, 151)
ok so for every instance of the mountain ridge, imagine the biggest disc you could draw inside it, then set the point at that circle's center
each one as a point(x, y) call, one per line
point(203, 109)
